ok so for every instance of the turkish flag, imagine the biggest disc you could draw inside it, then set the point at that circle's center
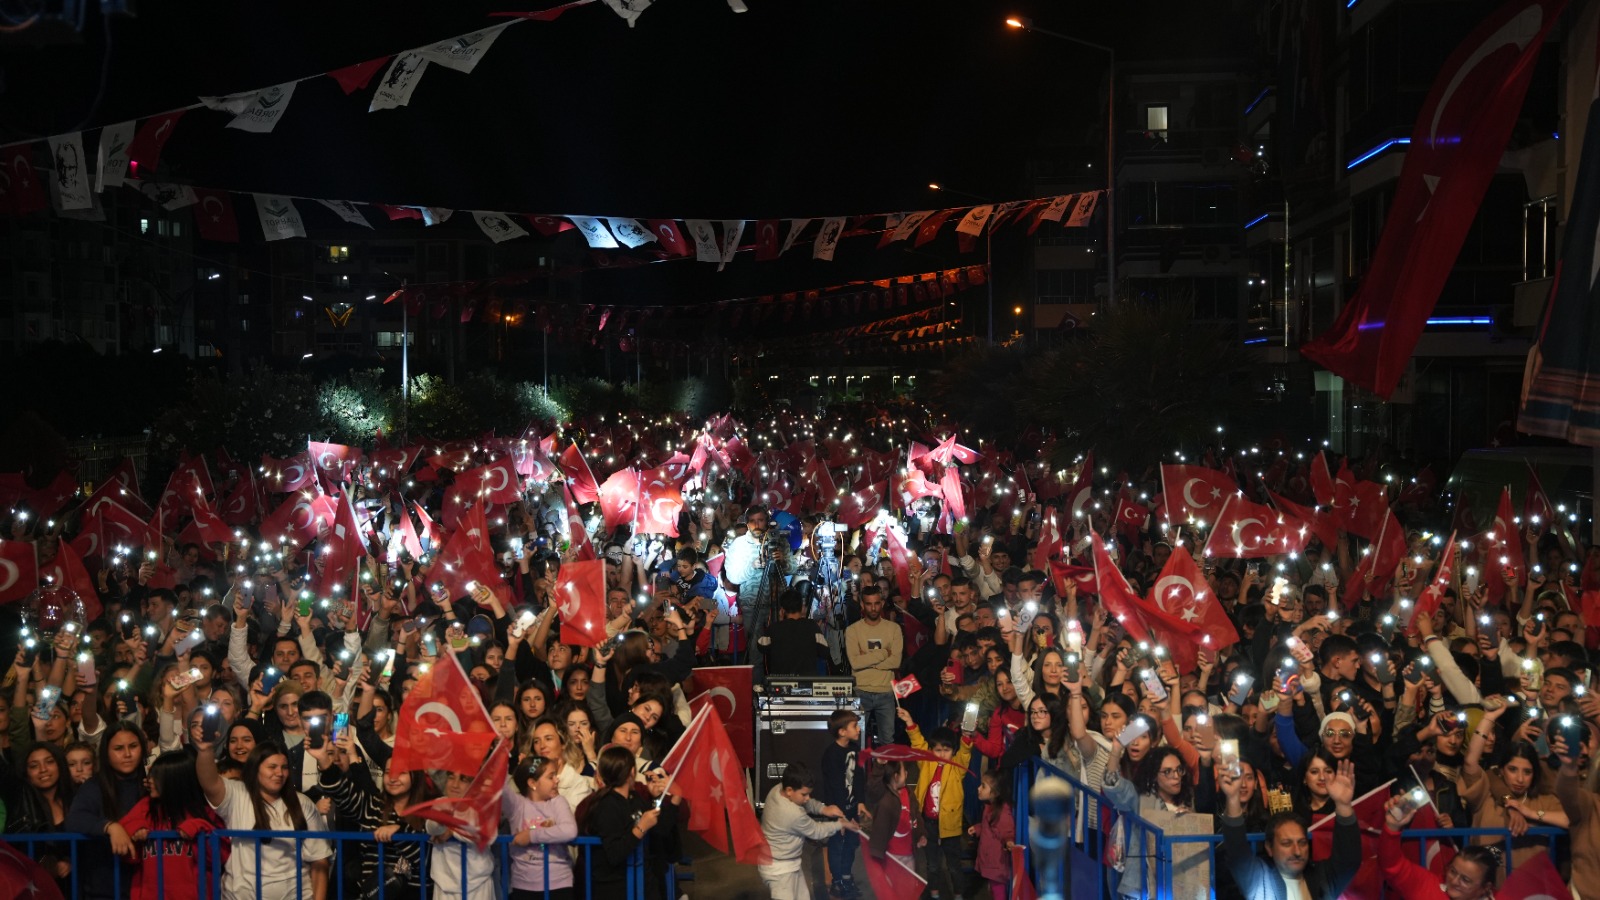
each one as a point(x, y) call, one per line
point(1248, 530)
point(767, 239)
point(1320, 523)
point(1131, 515)
point(442, 723)
point(1083, 576)
point(929, 229)
point(1021, 884)
point(48, 500)
point(579, 476)
point(732, 689)
point(144, 152)
point(495, 482)
point(1536, 878)
point(1194, 492)
point(577, 532)
point(213, 216)
point(861, 506)
point(24, 182)
point(906, 686)
point(619, 498)
point(1116, 595)
point(580, 596)
point(949, 452)
point(1322, 487)
point(342, 550)
point(393, 462)
point(914, 486)
point(1502, 549)
point(125, 481)
point(1367, 505)
point(660, 502)
point(475, 815)
point(704, 770)
point(19, 570)
point(467, 558)
point(902, 753)
point(899, 556)
point(1190, 616)
point(243, 506)
point(292, 474)
point(670, 236)
point(1368, 882)
point(1378, 562)
point(66, 572)
point(21, 877)
point(298, 519)
point(1453, 153)
point(205, 528)
point(117, 526)
point(336, 460)
point(889, 877)
point(1082, 490)
point(1049, 545)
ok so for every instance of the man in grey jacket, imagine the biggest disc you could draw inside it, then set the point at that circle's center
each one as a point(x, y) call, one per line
point(787, 823)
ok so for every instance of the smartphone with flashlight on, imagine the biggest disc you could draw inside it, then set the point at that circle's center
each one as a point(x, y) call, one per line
point(1242, 683)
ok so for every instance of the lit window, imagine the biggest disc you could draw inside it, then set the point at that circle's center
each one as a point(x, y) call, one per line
point(144, 226)
point(338, 253)
point(1155, 119)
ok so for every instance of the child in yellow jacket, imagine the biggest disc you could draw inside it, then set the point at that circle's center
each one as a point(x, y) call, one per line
point(941, 802)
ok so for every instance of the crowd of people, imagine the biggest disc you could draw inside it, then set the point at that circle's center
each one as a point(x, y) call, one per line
point(247, 696)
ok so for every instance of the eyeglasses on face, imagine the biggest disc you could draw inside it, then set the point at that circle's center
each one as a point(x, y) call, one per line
point(1171, 772)
point(1342, 734)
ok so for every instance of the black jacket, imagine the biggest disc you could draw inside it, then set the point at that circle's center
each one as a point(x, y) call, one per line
point(1258, 879)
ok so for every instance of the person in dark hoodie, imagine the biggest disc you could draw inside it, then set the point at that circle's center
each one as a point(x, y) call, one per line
point(118, 784)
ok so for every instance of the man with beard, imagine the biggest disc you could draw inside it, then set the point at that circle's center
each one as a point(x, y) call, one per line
point(1288, 872)
point(875, 645)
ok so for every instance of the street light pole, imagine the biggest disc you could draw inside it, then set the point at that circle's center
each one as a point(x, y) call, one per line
point(988, 249)
point(1026, 24)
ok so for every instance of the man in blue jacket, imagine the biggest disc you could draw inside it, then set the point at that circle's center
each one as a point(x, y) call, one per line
point(1288, 872)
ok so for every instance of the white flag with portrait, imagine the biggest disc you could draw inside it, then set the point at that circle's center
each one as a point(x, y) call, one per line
point(704, 236)
point(972, 223)
point(630, 232)
point(795, 227)
point(908, 225)
point(262, 113)
point(347, 211)
point(111, 161)
point(629, 10)
point(169, 196)
point(594, 232)
point(732, 233)
point(394, 91)
point(232, 104)
point(1058, 207)
point(828, 238)
point(435, 215)
point(72, 177)
point(280, 219)
point(1084, 210)
point(465, 52)
point(498, 226)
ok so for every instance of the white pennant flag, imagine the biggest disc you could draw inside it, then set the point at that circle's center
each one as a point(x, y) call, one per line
point(347, 211)
point(394, 91)
point(795, 227)
point(169, 196)
point(498, 226)
point(908, 225)
point(111, 165)
point(828, 238)
point(72, 178)
point(732, 233)
point(268, 105)
point(232, 104)
point(738, 6)
point(594, 232)
point(1084, 211)
point(629, 10)
point(279, 218)
point(435, 215)
point(705, 240)
point(972, 223)
point(463, 53)
point(630, 232)
point(1058, 207)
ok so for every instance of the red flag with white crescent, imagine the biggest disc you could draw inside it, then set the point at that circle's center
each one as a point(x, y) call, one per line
point(731, 689)
point(580, 597)
point(19, 570)
point(443, 724)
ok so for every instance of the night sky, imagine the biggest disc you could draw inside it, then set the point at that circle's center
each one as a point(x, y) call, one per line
point(798, 108)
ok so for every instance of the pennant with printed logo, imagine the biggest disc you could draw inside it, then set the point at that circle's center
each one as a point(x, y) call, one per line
point(498, 226)
point(394, 91)
point(732, 232)
point(594, 233)
point(908, 226)
point(232, 104)
point(465, 52)
point(629, 10)
point(435, 215)
point(705, 240)
point(214, 219)
point(262, 113)
point(111, 167)
point(347, 211)
point(1084, 211)
point(630, 232)
point(828, 238)
point(795, 227)
point(1058, 207)
point(169, 196)
point(972, 223)
point(279, 217)
point(72, 179)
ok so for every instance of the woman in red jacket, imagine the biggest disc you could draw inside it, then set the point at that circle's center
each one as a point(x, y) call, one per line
point(1471, 875)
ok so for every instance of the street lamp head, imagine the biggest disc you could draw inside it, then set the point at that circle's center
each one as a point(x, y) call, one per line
point(1022, 22)
point(934, 186)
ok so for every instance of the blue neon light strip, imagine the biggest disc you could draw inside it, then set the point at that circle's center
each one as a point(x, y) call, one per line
point(1376, 150)
point(1257, 101)
point(1461, 320)
point(1259, 340)
point(1256, 221)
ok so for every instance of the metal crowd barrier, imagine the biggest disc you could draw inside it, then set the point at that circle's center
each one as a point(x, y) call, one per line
point(1088, 873)
point(211, 865)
